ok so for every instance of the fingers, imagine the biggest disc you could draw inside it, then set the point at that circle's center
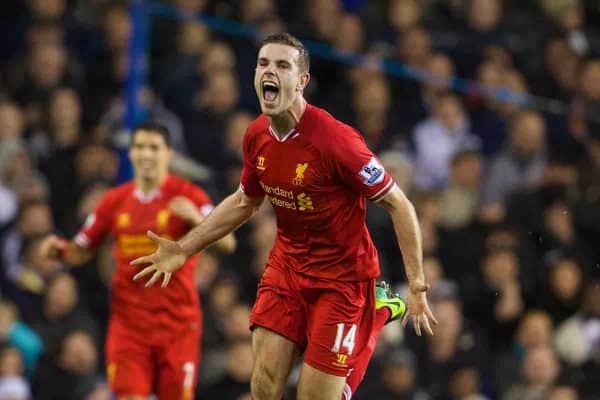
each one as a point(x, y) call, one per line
point(143, 260)
point(417, 324)
point(166, 280)
point(426, 325)
point(405, 319)
point(155, 238)
point(144, 272)
point(431, 316)
point(153, 280)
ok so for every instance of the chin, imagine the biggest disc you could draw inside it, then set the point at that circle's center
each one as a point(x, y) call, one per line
point(270, 110)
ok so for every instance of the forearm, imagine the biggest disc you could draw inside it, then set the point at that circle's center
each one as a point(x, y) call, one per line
point(76, 255)
point(67, 252)
point(224, 219)
point(408, 234)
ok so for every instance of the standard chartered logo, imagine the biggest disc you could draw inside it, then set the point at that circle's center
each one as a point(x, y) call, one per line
point(285, 198)
point(304, 202)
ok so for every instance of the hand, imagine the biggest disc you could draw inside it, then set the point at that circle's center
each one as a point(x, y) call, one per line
point(167, 258)
point(7, 320)
point(185, 209)
point(419, 309)
point(51, 246)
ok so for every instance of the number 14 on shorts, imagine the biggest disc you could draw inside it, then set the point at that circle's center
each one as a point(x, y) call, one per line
point(345, 338)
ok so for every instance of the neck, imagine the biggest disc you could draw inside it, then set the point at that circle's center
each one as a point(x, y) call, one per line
point(148, 185)
point(284, 122)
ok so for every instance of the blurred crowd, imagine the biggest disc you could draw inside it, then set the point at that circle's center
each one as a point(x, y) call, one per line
point(508, 198)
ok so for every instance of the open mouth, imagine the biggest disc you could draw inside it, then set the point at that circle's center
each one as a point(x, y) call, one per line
point(270, 91)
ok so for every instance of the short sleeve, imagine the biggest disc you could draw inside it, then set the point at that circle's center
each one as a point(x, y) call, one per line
point(201, 199)
point(358, 167)
point(97, 224)
point(249, 182)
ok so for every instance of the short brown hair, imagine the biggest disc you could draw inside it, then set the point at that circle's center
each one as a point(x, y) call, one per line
point(290, 40)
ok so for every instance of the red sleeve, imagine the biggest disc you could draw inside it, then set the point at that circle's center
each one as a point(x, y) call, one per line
point(97, 224)
point(358, 167)
point(201, 199)
point(249, 182)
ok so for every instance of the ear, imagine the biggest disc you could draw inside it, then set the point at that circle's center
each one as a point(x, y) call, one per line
point(303, 82)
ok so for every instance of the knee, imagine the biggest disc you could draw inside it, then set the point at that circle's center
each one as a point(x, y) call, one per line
point(267, 383)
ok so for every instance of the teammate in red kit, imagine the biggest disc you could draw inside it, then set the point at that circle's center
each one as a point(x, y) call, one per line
point(317, 295)
point(153, 335)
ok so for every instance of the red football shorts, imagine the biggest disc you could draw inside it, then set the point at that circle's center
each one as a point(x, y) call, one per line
point(139, 368)
point(330, 320)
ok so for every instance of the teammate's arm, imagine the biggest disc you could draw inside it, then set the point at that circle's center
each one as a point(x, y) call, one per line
point(67, 251)
point(408, 234)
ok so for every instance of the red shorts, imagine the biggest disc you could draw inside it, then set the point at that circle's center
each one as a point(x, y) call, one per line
point(330, 320)
point(136, 368)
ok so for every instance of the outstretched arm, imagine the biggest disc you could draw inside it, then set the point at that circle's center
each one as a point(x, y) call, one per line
point(187, 210)
point(224, 219)
point(408, 235)
point(232, 212)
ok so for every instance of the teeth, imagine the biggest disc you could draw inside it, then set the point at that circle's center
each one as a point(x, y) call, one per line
point(269, 85)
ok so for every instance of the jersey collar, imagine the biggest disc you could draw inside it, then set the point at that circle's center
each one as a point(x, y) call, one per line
point(146, 197)
point(293, 133)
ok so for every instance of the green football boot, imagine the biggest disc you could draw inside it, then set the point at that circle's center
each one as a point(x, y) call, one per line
point(385, 298)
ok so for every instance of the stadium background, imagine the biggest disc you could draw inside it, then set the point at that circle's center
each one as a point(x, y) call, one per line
point(506, 184)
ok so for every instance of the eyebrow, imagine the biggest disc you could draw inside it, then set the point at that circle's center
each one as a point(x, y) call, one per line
point(276, 61)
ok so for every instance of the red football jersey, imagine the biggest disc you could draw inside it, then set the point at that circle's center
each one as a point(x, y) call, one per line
point(127, 214)
point(317, 178)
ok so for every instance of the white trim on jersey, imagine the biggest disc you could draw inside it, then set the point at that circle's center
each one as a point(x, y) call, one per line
point(206, 209)
point(82, 240)
point(285, 137)
point(146, 197)
point(384, 191)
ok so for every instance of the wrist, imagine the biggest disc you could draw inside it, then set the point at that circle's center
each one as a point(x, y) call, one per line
point(417, 285)
point(62, 249)
point(185, 249)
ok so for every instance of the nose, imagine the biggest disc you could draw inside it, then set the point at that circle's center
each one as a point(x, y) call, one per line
point(270, 70)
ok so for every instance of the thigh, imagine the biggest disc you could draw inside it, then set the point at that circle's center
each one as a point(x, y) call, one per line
point(340, 324)
point(177, 364)
point(279, 308)
point(130, 368)
point(273, 353)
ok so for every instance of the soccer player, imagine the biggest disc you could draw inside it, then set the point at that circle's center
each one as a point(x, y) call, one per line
point(317, 294)
point(153, 335)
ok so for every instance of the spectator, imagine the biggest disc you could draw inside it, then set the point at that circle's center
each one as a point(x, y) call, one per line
point(565, 281)
point(518, 166)
point(540, 370)
point(74, 374)
point(460, 199)
point(398, 379)
point(60, 315)
point(578, 338)
point(13, 385)
point(20, 336)
point(236, 383)
point(437, 139)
